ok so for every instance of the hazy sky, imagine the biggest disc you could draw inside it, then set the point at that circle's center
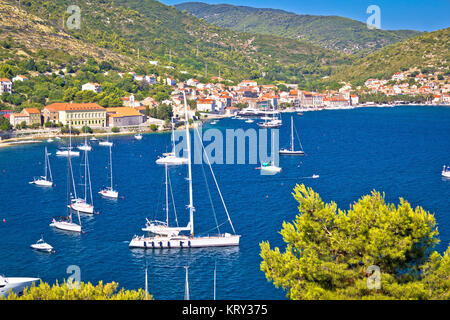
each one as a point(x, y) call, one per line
point(419, 15)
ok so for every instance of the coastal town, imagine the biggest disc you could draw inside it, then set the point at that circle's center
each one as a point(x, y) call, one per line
point(216, 99)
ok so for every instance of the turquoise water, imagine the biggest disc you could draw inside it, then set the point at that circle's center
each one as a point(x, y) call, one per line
point(399, 151)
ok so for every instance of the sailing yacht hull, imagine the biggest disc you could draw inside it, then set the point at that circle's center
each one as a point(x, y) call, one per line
point(66, 226)
point(172, 160)
point(65, 153)
point(82, 206)
point(181, 242)
point(105, 144)
point(291, 153)
point(109, 194)
point(42, 183)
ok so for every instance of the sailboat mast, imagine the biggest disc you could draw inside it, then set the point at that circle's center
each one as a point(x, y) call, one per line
point(167, 199)
point(214, 281)
point(45, 168)
point(110, 165)
point(292, 134)
point(186, 286)
point(188, 141)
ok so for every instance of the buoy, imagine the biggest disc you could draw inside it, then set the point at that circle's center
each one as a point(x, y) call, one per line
point(123, 197)
point(83, 232)
point(267, 197)
point(4, 220)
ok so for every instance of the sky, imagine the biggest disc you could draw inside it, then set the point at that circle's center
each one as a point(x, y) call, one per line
point(421, 15)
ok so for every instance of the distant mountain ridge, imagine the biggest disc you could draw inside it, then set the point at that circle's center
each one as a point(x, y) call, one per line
point(331, 32)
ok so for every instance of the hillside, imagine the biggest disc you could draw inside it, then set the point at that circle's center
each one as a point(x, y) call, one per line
point(427, 53)
point(331, 32)
point(148, 30)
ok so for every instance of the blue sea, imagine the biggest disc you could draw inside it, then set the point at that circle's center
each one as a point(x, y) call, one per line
point(399, 151)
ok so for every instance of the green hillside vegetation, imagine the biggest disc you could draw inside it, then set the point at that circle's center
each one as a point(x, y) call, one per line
point(331, 32)
point(148, 30)
point(335, 254)
point(427, 53)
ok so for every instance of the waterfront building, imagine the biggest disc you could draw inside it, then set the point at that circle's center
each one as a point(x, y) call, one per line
point(206, 105)
point(123, 116)
point(30, 116)
point(76, 114)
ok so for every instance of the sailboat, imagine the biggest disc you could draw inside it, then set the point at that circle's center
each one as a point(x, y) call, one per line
point(109, 192)
point(162, 227)
point(170, 157)
point(46, 181)
point(82, 204)
point(65, 222)
point(270, 167)
point(85, 146)
point(291, 151)
point(189, 241)
point(106, 143)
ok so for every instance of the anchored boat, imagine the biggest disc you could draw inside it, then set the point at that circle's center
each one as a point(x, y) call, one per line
point(170, 239)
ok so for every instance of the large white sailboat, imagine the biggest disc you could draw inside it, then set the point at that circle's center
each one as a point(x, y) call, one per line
point(109, 192)
point(291, 151)
point(46, 180)
point(82, 204)
point(170, 157)
point(65, 222)
point(189, 241)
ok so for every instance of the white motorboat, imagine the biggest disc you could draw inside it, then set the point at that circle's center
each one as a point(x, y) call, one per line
point(138, 136)
point(50, 140)
point(45, 181)
point(269, 168)
point(57, 138)
point(315, 176)
point(170, 158)
point(446, 172)
point(172, 240)
point(93, 139)
point(249, 121)
point(109, 192)
point(41, 245)
point(292, 151)
point(15, 284)
point(214, 122)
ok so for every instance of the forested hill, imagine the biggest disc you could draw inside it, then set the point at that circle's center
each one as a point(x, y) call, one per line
point(148, 30)
point(427, 53)
point(330, 32)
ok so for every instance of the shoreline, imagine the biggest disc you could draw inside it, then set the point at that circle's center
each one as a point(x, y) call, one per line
point(39, 138)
